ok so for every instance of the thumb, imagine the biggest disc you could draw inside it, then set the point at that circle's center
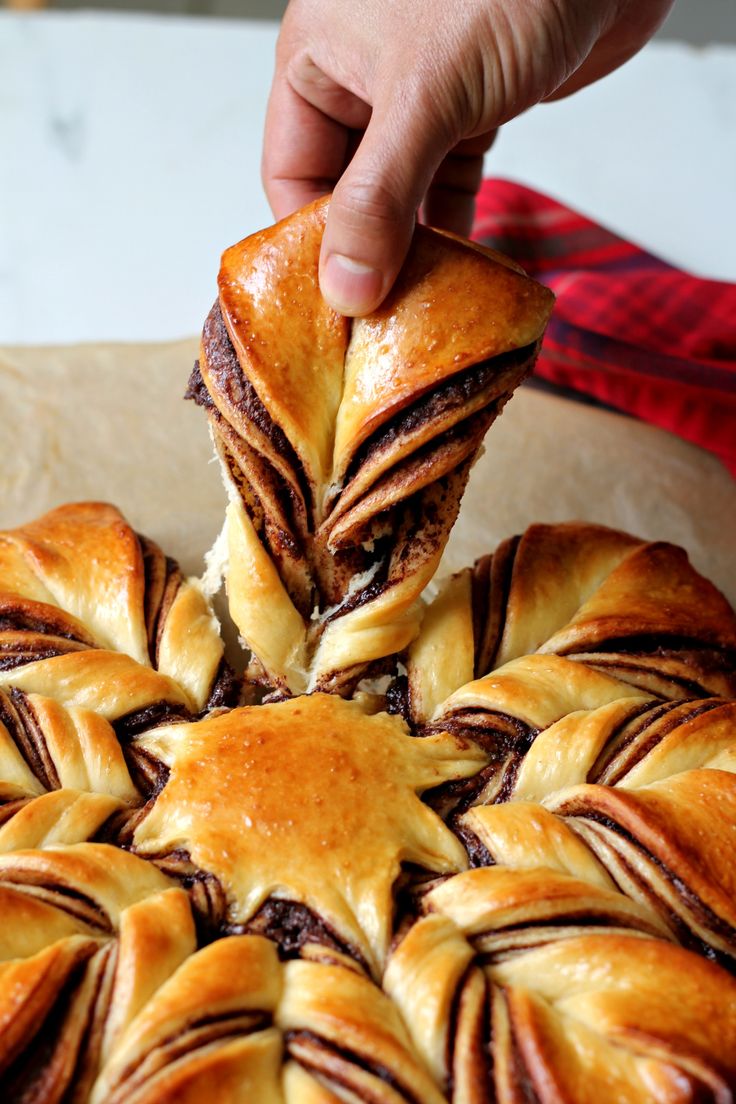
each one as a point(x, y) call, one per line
point(373, 210)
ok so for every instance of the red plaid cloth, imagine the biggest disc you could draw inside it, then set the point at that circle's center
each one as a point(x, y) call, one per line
point(628, 329)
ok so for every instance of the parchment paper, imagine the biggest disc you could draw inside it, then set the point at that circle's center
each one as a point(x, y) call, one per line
point(107, 422)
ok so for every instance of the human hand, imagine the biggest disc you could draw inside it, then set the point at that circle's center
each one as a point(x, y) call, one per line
point(391, 105)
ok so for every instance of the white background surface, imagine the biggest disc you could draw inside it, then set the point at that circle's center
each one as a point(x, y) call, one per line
point(130, 147)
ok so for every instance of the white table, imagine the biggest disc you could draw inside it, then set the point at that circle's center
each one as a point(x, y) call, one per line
point(130, 147)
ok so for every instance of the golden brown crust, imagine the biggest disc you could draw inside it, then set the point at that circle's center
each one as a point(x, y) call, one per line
point(305, 771)
point(451, 307)
point(290, 344)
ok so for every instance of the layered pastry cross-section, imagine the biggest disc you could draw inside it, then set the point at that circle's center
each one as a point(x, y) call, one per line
point(346, 443)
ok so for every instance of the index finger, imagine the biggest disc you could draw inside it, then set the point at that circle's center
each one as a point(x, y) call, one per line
point(304, 151)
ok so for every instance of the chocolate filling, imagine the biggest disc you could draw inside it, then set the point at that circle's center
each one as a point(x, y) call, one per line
point(679, 927)
point(61, 897)
point(490, 589)
point(19, 717)
point(103, 966)
point(18, 653)
point(378, 584)
point(133, 724)
point(149, 774)
point(398, 698)
point(522, 1076)
point(162, 581)
point(622, 668)
point(711, 658)
point(42, 1071)
point(504, 738)
point(276, 508)
point(423, 524)
point(475, 1058)
point(590, 918)
point(187, 1039)
point(478, 853)
point(290, 925)
point(705, 659)
point(16, 619)
point(648, 716)
point(451, 799)
point(328, 1061)
point(231, 380)
point(435, 405)
point(226, 688)
point(207, 895)
point(498, 734)
point(120, 826)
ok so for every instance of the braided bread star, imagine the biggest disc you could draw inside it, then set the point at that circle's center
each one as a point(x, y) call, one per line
point(298, 924)
point(92, 933)
point(346, 445)
point(503, 873)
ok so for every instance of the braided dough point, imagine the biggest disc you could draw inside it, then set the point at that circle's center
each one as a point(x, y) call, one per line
point(79, 579)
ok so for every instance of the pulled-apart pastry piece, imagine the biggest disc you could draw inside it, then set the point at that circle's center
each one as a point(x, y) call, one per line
point(346, 444)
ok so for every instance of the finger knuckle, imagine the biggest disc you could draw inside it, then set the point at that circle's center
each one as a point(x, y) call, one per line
point(369, 200)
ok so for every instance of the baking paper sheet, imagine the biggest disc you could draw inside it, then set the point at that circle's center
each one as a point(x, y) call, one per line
point(107, 422)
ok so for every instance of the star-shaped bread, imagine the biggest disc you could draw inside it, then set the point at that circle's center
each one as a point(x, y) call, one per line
point(313, 801)
point(493, 864)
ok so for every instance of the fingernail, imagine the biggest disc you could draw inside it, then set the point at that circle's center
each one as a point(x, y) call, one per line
point(351, 287)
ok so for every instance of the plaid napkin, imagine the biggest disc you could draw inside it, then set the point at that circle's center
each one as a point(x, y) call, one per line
point(629, 329)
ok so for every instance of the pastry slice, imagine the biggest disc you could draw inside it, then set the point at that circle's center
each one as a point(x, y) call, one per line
point(346, 443)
